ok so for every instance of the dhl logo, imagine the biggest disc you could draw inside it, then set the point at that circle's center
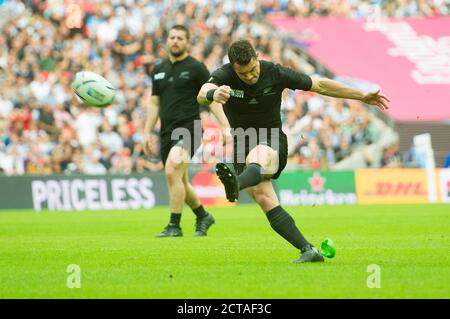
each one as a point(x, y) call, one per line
point(398, 189)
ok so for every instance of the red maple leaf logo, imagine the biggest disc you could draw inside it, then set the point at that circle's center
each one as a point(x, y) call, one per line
point(317, 183)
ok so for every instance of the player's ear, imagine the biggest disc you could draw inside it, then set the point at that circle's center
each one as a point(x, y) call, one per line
point(257, 55)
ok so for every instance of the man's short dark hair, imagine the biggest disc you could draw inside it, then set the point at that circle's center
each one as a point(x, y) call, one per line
point(181, 28)
point(241, 52)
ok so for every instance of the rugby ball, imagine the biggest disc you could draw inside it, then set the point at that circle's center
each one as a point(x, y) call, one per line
point(93, 89)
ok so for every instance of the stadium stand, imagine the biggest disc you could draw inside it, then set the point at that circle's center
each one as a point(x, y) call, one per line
point(44, 130)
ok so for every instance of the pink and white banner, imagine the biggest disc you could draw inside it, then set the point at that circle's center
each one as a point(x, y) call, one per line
point(408, 58)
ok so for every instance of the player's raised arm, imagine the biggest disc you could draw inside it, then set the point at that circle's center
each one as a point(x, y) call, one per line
point(152, 118)
point(206, 97)
point(333, 88)
point(210, 92)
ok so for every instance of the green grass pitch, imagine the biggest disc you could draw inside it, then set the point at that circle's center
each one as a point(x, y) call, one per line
point(241, 258)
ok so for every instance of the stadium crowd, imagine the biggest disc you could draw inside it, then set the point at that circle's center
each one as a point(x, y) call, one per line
point(44, 129)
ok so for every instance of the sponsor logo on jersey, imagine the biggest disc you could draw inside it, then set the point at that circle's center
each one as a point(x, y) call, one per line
point(237, 93)
point(160, 76)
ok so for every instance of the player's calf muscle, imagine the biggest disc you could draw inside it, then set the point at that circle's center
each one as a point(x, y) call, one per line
point(266, 202)
point(264, 195)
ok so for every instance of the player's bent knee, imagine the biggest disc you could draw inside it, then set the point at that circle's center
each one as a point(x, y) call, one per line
point(262, 155)
point(271, 169)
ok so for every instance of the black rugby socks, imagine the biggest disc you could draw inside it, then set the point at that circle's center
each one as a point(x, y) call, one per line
point(175, 219)
point(251, 176)
point(200, 212)
point(284, 225)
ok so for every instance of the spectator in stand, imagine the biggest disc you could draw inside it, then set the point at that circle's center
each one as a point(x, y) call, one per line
point(13, 163)
point(344, 149)
point(292, 129)
point(91, 163)
point(391, 157)
point(447, 161)
point(86, 125)
point(109, 138)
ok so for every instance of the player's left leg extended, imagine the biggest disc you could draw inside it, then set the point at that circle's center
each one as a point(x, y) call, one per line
point(280, 220)
point(261, 163)
point(204, 219)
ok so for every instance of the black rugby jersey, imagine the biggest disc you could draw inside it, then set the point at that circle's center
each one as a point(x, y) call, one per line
point(177, 84)
point(258, 105)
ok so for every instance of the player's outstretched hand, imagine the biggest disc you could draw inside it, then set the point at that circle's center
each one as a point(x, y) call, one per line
point(222, 94)
point(375, 98)
point(146, 144)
